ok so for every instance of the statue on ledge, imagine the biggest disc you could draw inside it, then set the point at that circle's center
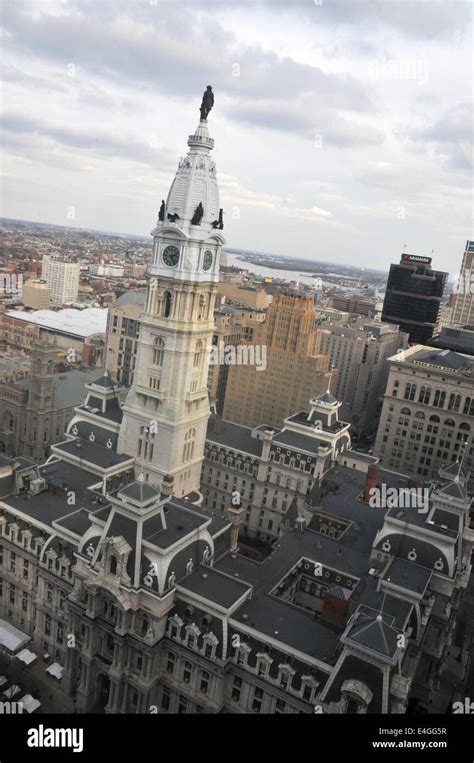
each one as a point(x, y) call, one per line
point(207, 102)
point(219, 224)
point(161, 213)
point(198, 213)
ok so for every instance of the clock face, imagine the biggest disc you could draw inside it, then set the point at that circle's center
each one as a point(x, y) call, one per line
point(171, 256)
point(207, 261)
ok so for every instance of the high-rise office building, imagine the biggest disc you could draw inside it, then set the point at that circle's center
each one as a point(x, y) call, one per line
point(234, 326)
point(463, 311)
point(62, 277)
point(294, 369)
point(413, 297)
point(359, 352)
point(428, 412)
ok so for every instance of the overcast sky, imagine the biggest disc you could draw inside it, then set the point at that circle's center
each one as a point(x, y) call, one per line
point(343, 128)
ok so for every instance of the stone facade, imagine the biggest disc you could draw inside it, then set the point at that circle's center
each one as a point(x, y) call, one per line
point(427, 417)
point(169, 392)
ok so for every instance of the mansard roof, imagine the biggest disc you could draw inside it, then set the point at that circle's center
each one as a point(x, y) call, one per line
point(374, 632)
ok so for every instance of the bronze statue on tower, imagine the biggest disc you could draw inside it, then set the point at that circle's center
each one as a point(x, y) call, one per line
point(207, 102)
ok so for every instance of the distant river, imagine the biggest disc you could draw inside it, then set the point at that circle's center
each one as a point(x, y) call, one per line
point(287, 275)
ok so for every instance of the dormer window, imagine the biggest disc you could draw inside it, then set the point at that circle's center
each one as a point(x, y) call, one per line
point(242, 654)
point(309, 686)
point(175, 625)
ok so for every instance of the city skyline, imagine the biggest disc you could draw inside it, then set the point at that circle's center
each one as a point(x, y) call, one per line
point(332, 135)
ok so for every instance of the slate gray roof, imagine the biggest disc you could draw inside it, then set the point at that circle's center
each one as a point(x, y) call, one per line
point(77, 522)
point(371, 630)
point(52, 504)
point(140, 492)
point(234, 437)
point(302, 418)
point(297, 441)
point(444, 358)
point(289, 625)
point(327, 398)
point(215, 586)
point(409, 575)
point(104, 381)
point(88, 451)
point(454, 471)
point(454, 489)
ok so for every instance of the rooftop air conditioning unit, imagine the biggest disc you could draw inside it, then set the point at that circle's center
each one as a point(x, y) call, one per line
point(37, 485)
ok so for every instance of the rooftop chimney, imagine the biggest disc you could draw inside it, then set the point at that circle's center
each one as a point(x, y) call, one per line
point(373, 474)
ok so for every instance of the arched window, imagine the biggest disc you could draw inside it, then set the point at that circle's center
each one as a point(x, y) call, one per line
point(113, 565)
point(158, 348)
point(465, 426)
point(198, 354)
point(405, 412)
point(420, 415)
point(50, 366)
point(449, 423)
point(166, 304)
point(439, 398)
point(38, 366)
point(469, 406)
point(188, 449)
point(454, 402)
point(425, 394)
point(410, 390)
point(435, 419)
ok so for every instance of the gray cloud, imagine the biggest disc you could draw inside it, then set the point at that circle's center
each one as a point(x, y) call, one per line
point(308, 119)
point(17, 126)
point(451, 135)
point(172, 56)
point(420, 19)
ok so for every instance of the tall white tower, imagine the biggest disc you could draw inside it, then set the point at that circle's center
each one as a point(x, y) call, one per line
point(167, 408)
point(463, 312)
